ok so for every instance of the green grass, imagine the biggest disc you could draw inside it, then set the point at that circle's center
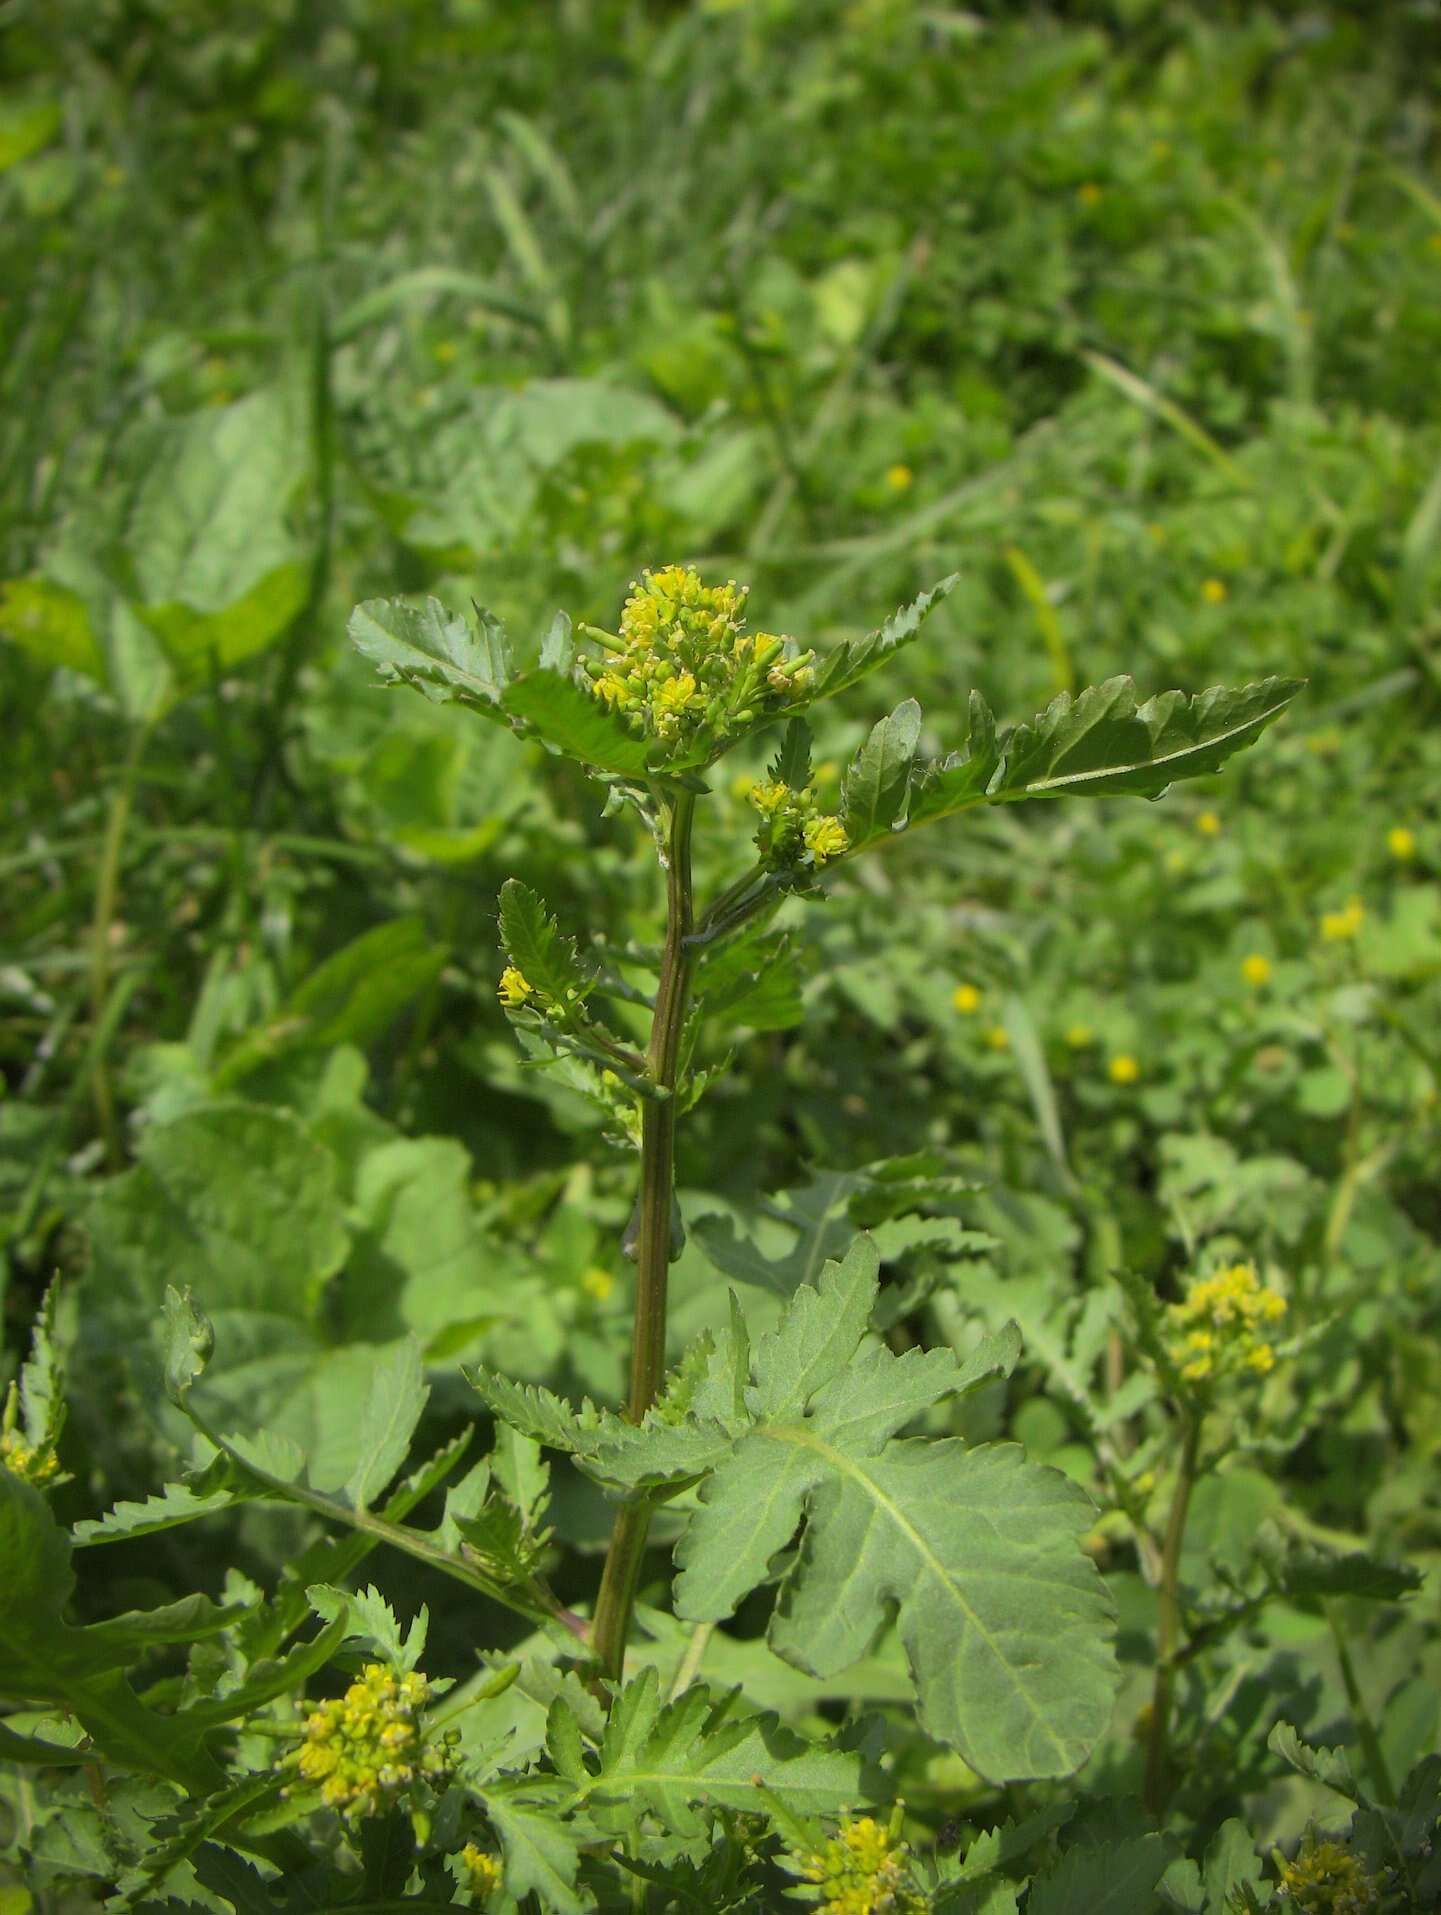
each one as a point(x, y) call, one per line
point(1127, 313)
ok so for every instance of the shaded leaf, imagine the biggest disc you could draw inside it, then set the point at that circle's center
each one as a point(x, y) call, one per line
point(571, 720)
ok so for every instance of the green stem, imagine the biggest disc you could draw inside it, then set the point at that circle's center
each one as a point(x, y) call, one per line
point(1366, 1735)
point(653, 1250)
point(107, 893)
point(1168, 1633)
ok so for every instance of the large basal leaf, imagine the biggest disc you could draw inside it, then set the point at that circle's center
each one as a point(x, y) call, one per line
point(668, 1759)
point(1005, 1624)
point(856, 659)
point(436, 651)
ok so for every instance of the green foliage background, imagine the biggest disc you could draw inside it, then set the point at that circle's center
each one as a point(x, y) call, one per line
point(1126, 313)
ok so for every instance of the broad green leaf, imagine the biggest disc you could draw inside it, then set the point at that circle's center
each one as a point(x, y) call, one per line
point(1105, 1878)
point(873, 794)
point(1332, 1767)
point(534, 944)
point(1100, 744)
point(397, 1396)
point(542, 1854)
point(568, 719)
point(857, 658)
point(1004, 1623)
point(702, 1749)
point(28, 123)
point(349, 998)
point(238, 1198)
point(436, 651)
point(49, 1660)
point(959, 781)
point(51, 624)
point(216, 570)
point(1102, 741)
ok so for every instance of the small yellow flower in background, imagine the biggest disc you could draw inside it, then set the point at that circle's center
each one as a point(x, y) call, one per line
point(1214, 591)
point(1089, 194)
point(863, 1870)
point(1123, 1068)
point(1327, 1879)
point(1338, 926)
point(1208, 823)
point(367, 1747)
point(445, 352)
point(113, 176)
point(1218, 1327)
point(1078, 1036)
point(900, 478)
point(966, 999)
point(1256, 969)
point(998, 1037)
point(515, 988)
point(1401, 843)
point(597, 1283)
point(1157, 533)
point(484, 1873)
point(1175, 861)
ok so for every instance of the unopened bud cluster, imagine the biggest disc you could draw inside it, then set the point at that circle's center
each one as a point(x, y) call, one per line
point(1327, 1879)
point(33, 1462)
point(793, 830)
point(1219, 1327)
point(684, 664)
point(367, 1748)
point(483, 1873)
point(862, 1870)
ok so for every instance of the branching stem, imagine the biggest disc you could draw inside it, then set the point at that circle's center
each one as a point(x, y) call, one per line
point(653, 1251)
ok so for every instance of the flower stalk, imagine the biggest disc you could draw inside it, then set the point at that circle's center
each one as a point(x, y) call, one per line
point(653, 1247)
point(1157, 1785)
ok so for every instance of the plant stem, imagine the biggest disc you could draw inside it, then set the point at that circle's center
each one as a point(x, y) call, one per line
point(653, 1250)
point(107, 892)
point(1168, 1633)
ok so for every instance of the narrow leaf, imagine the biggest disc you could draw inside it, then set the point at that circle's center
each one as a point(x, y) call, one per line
point(393, 1406)
point(856, 659)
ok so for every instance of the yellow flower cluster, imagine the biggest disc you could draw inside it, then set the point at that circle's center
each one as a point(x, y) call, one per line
point(483, 1872)
point(862, 1871)
point(1338, 926)
point(1327, 1879)
point(515, 988)
point(1218, 1327)
point(792, 829)
point(684, 663)
point(366, 1748)
point(34, 1463)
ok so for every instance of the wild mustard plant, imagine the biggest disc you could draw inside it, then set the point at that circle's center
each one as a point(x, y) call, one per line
point(368, 1748)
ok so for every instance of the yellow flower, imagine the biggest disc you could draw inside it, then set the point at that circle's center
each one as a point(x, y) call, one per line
point(899, 478)
point(862, 1870)
point(998, 1037)
point(1401, 843)
point(825, 838)
point(683, 665)
point(1327, 1879)
point(445, 352)
point(1213, 590)
point(483, 1872)
point(367, 1748)
point(1338, 926)
point(597, 1283)
point(1078, 1036)
point(1123, 1068)
point(966, 999)
point(1256, 969)
point(1219, 1326)
point(1089, 194)
point(515, 989)
point(1208, 824)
